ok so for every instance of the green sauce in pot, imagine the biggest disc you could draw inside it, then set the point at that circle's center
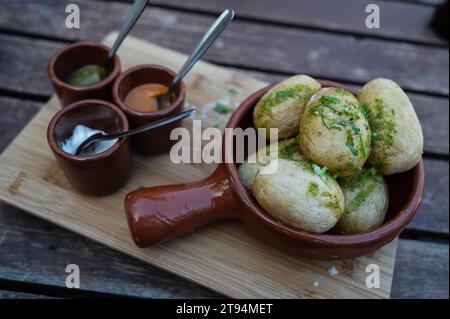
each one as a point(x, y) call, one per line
point(87, 75)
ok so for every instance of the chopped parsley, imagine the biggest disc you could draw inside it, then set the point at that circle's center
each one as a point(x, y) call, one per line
point(382, 122)
point(232, 91)
point(278, 96)
point(321, 171)
point(369, 172)
point(222, 108)
point(364, 191)
point(363, 146)
point(289, 148)
point(360, 179)
point(313, 189)
point(285, 93)
point(351, 144)
point(341, 118)
point(329, 99)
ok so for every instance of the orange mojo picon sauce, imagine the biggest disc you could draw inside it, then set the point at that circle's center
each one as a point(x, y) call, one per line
point(142, 98)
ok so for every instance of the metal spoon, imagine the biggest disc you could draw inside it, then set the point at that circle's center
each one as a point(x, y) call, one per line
point(205, 42)
point(133, 15)
point(144, 128)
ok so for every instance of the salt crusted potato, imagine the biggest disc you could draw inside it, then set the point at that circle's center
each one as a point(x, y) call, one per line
point(397, 138)
point(366, 203)
point(287, 149)
point(334, 132)
point(282, 106)
point(299, 196)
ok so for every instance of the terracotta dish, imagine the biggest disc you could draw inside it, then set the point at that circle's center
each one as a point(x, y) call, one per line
point(98, 174)
point(75, 56)
point(158, 140)
point(159, 213)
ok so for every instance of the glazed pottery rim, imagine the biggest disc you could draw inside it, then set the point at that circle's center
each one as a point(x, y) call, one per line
point(106, 81)
point(387, 229)
point(83, 159)
point(130, 111)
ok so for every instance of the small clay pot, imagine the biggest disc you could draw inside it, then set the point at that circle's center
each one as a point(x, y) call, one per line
point(158, 213)
point(98, 174)
point(75, 56)
point(157, 140)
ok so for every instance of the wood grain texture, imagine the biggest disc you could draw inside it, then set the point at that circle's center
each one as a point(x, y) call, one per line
point(433, 213)
point(223, 256)
point(5, 294)
point(15, 114)
point(422, 2)
point(349, 16)
point(424, 270)
point(285, 49)
point(24, 70)
point(38, 253)
point(24, 65)
point(104, 270)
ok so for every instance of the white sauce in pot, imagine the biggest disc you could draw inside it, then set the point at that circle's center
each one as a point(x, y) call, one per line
point(79, 135)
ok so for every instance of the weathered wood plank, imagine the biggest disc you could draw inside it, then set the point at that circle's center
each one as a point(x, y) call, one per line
point(348, 16)
point(15, 115)
point(39, 252)
point(23, 63)
point(5, 294)
point(433, 213)
point(424, 2)
point(421, 270)
point(260, 46)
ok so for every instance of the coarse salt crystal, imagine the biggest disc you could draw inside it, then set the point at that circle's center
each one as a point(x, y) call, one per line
point(333, 271)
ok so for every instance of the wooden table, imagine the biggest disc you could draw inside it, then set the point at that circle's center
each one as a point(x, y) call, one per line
point(269, 40)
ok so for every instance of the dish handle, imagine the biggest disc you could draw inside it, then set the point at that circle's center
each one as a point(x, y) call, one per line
point(158, 213)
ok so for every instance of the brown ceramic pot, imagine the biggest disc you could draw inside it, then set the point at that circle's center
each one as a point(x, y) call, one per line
point(75, 56)
point(157, 140)
point(98, 174)
point(158, 213)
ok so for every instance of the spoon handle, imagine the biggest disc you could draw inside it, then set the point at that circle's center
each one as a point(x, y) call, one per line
point(152, 125)
point(133, 15)
point(206, 41)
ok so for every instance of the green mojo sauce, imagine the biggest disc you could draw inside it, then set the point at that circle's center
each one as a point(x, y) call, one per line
point(87, 75)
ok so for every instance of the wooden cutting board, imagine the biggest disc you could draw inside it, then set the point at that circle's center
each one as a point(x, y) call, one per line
point(223, 256)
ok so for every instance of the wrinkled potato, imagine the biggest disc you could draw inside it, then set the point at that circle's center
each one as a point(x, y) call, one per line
point(397, 138)
point(334, 132)
point(282, 106)
point(300, 197)
point(287, 149)
point(366, 203)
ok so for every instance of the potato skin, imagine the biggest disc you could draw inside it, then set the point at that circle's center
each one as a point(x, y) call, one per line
point(299, 197)
point(366, 203)
point(282, 106)
point(287, 149)
point(334, 132)
point(397, 138)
